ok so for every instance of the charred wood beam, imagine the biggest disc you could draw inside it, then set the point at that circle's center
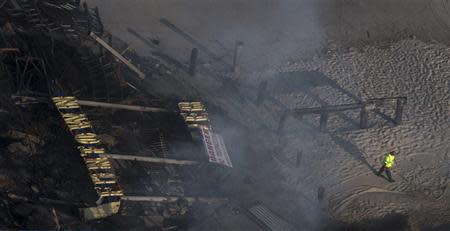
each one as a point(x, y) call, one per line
point(173, 199)
point(20, 100)
point(120, 106)
point(190, 39)
point(153, 44)
point(150, 159)
point(7, 49)
point(116, 54)
point(43, 200)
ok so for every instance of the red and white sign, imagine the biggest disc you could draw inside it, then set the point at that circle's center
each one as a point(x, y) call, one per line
point(215, 147)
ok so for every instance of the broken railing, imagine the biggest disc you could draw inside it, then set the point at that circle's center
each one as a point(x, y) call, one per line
point(364, 107)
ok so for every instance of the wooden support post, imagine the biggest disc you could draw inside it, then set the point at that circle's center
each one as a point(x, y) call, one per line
point(120, 106)
point(193, 41)
point(237, 59)
point(363, 120)
point(85, 8)
point(281, 122)
point(193, 61)
point(150, 159)
point(299, 159)
point(142, 38)
point(86, 12)
point(320, 193)
point(98, 17)
point(323, 121)
point(110, 39)
point(261, 92)
point(117, 55)
point(399, 111)
point(56, 219)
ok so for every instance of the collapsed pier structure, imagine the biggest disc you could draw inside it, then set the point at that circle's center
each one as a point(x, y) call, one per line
point(54, 57)
point(138, 126)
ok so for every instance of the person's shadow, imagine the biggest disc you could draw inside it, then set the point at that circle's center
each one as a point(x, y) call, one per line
point(354, 151)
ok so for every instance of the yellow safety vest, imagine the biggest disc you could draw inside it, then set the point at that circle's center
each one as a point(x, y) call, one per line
point(389, 160)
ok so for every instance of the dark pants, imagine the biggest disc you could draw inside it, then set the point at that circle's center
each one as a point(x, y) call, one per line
point(387, 170)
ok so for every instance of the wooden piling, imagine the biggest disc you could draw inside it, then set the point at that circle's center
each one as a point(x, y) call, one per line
point(323, 121)
point(399, 111)
point(193, 61)
point(363, 118)
point(237, 59)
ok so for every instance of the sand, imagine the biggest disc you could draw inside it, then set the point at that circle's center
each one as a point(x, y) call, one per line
point(348, 157)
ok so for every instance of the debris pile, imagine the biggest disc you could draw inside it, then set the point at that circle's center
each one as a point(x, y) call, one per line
point(58, 48)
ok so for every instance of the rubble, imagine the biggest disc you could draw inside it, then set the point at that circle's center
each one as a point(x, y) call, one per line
point(57, 48)
point(6, 182)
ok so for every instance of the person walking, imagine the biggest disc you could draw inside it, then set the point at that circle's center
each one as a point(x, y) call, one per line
point(388, 163)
